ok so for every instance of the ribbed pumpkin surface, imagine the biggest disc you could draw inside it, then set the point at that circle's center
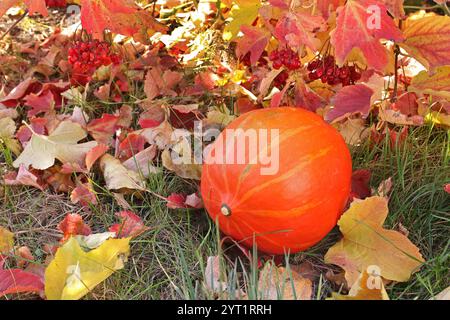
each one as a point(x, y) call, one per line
point(294, 208)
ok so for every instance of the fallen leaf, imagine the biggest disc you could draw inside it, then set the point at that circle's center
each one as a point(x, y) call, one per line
point(130, 146)
point(94, 240)
point(447, 188)
point(179, 201)
point(184, 170)
point(131, 225)
point(384, 188)
point(103, 129)
point(7, 130)
point(6, 240)
point(354, 131)
point(159, 83)
point(368, 287)
point(360, 183)
point(214, 277)
point(117, 176)
point(22, 89)
point(73, 272)
point(23, 177)
point(41, 151)
point(19, 281)
point(142, 162)
point(279, 283)
point(39, 103)
point(366, 243)
point(444, 295)
point(73, 224)
point(84, 194)
point(94, 154)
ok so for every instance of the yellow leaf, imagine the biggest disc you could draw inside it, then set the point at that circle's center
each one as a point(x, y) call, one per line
point(242, 12)
point(368, 287)
point(41, 151)
point(7, 130)
point(73, 272)
point(366, 243)
point(437, 84)
point(433, 111)
point(428, 40)
point(6, 240)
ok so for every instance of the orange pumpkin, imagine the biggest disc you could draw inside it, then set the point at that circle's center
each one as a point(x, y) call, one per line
point(286, 211)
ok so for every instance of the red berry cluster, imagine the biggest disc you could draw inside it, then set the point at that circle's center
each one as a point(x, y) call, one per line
point(56, 3)
point(87, 56)
point(285, 57)
point(326, 70)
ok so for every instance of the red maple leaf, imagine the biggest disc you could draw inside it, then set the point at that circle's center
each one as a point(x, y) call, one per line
point(363, 24)
point(131, 225)
point(298, 29)
point(254, 41)
point(118, 16)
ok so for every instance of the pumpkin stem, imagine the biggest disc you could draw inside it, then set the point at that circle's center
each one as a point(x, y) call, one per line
point(226, 211)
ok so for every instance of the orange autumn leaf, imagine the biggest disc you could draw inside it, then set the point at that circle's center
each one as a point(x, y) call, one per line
point(368, 287)
point(366, 243)
point(73, 224)
point(428, 40)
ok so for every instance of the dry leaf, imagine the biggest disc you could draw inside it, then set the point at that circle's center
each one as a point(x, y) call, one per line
point(186, 171)
point(41, 151)
point(117, 176)
point(366, 243)
point(368, 287)
point(279, 283)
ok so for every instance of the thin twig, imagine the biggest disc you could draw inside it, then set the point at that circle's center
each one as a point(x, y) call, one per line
point(396, 52)
point(14, 24)
point(422, 8)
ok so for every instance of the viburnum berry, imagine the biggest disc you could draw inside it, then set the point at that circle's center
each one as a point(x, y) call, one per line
point(86, 57)
point(285, 57)
point(56, 3)
point(327, 71)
